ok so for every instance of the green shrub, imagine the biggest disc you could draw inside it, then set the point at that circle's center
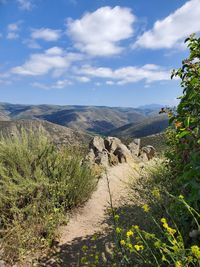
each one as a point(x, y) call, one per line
point(184, 137)
point(38, 184)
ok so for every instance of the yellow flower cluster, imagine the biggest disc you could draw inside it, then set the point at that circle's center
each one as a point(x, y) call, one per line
point(146, 208)
point(196, 251)
point(118, 230)
point(122, 242)
point(156, 193)
point(170, 230)
point(178, 264)
point(139, 247)
point(129, 233)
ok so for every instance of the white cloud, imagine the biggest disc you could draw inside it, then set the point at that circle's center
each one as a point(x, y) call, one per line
point(110, 83)
point(13, 30)
point(25, 4)
point(99, 33)
point(54, 59)
point(172, 30)
point(83, 79)
point(130, 74)
point(12, 35)
point(60, 84)
point(31, 44)
point(46, 34)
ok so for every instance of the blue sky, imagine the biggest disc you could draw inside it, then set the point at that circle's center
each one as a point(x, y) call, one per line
point(86, 52)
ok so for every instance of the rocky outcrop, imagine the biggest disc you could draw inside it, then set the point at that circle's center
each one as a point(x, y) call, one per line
point(97, 144)
point(111, 151)
point(134, 147)
point(147, 152)
point(123, 153)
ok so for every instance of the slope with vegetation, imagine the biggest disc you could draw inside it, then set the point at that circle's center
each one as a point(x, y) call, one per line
point(168, 230)
point(60, 135)
point(148, 126)
point(39, 183)
point(86, 118)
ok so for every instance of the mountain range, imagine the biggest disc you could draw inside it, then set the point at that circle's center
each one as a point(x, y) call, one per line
point(88, 120)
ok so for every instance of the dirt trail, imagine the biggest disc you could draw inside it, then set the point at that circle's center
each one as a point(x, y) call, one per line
point(89, 219)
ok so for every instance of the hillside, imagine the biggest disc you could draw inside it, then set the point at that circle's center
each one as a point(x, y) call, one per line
point(87, 118)
point(59, 134)
point(148, 126)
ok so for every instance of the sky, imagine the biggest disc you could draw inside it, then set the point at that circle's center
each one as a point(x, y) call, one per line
point(94, 52)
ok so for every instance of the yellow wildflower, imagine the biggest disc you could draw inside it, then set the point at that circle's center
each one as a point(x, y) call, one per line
point(163, 258)
point(129, 233)
point(156, 193)
point(163, 220)
point(178, 264)
point(84, 248)
point(118, 230)
point(122, 242)
point(139, 247)
point(196, 251)
point(136, 227)
point(116, 217)
point(130, 246)
point(146, 208)
point(157, 244)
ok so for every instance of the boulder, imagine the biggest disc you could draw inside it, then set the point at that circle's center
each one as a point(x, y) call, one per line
point(113, 160)
point(111, 143)
point(97, 144)
point(123, 153)
point(147, 152)
point(91, 156)
point(134, 147)
point(102, 158)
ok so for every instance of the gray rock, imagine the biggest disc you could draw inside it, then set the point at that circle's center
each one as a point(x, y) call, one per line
point(97, 144)
point(102, 158)
point(111, 143)
point(147, 152)
point(90, 156)
point(123, 153)
point(134, 147)
point(113, 159)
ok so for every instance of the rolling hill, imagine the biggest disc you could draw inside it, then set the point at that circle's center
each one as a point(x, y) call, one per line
point(92, 119)
point(146, 127)
point(58, 134)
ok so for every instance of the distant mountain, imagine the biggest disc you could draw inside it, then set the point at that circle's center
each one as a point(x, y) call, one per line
point(151, 107)
point(58, 134)
point(148, 126)
point(86, 118)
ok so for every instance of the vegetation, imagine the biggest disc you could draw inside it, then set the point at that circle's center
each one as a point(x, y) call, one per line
point(171, 189)
point(38, 184)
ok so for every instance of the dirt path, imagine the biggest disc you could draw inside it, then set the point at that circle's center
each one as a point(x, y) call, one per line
point(92, 217)
point(88, 220)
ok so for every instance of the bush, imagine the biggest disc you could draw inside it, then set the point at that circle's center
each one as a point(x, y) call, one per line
point(173, 239)
point(184, 139)
point(38, 184)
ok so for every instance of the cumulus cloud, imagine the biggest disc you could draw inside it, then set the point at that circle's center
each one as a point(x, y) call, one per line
point(83, 79)
point(46, 34)
point(99, 33)
point(54, 59)
point(25, 4)
point(60, 84)
point(13, 30)
point(171, 31)
point(130, 74)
